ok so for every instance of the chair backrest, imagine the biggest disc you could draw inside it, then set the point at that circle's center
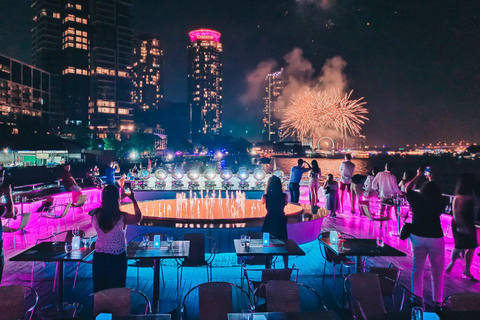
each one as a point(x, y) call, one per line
point(11, 302)
point(366, 211)
point(214, 300)
point(269, 275)
point(196, 255)
point(365, 291)
point(388, 278)
point(282, 296)
point(115, 301)
point(81, 200)
point(466, 301)
point(25, 218)
point(65, 211)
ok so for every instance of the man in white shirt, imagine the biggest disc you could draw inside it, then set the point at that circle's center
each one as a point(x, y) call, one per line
point(386, 184)
point(346, 169)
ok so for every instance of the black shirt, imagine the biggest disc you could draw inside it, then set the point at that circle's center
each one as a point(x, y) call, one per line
point(425, 216)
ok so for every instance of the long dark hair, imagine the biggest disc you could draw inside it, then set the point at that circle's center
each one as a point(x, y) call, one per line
point(274, 185)
point(315, 168)
point(110, 209)
point(465, 185)
point(432, 193)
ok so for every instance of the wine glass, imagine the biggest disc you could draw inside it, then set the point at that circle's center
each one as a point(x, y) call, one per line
point(380, 242)
point(170, 242)
point(54, 234)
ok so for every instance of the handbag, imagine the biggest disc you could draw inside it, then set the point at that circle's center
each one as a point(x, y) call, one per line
point(405, 231)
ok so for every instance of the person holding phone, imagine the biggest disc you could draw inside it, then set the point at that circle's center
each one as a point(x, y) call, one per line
point(6, 211)
point(295, 177)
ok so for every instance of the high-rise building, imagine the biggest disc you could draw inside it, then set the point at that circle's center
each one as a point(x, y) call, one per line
point(271, 110)
point(86, 45)
point(205, 84)
point(25, 93)
point(147, 72)
point(111, 43)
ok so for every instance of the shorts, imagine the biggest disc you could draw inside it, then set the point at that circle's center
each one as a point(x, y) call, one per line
point(344, 186)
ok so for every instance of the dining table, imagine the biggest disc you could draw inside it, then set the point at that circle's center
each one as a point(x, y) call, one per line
point(55, 252)
point(360, 248)
point(138, 251)
point(276, 247)
point(313, 315)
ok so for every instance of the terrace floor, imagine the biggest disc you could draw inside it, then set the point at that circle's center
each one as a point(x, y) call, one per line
point(225, 267)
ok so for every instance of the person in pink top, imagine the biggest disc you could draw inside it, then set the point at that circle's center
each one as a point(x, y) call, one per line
point(109, 268)
point(386, 184)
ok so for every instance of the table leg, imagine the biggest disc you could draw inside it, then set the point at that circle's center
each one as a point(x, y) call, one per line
point(268, 262)
point(397, 215)
point(358, 264)
point(156, 285)
point(60, 283)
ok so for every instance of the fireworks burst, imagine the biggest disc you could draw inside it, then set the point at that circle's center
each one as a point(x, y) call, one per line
point(313, 111)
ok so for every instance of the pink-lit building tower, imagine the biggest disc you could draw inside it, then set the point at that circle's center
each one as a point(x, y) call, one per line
point(205, 84)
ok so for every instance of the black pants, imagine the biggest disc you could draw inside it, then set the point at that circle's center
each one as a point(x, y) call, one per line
point(294, 192)
point(2, 262)
point(109, 271)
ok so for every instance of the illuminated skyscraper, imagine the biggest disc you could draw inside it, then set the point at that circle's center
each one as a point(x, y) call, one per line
point(147, 72)
point(205, 84)
point(271, 111)
point(111, 48)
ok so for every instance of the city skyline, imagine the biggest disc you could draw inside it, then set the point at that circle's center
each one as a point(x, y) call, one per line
point(413, 64)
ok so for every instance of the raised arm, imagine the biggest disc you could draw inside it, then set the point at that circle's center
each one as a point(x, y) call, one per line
point(411, 185)
point(130, 218)
point(10, 209)
point(117, 168)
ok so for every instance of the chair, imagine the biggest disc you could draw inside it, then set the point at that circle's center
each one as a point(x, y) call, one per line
point(147, 263)
point(284, 296)
point(80, 203)
point(268, 275)
point(12, 301)
point(365, 209)
point(52, 214)
point(329, 256)
point(197, 256)
point(116, 301)
point(214, 300)
point(252, 260)
point(465, 301)
point(389, 280)
point(23, 223)
point(365, 296)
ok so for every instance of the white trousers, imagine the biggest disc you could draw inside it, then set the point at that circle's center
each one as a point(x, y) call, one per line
point(434, 248)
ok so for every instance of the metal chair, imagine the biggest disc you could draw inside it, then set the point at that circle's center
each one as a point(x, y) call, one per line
point(79, 203)
point(23, 223)
point(252, 260)
point(465, 301)
point(389, 280)
point(52, 214)
point(197, 253)
point(365, 209)
point(116, 301)
point(284, 296)
point(12, 301)
point(268, 275)
point(147, 263)
point(329, 256)
point(214, 300)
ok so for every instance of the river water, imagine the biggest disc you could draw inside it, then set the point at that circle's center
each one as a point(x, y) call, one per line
point(445, 170)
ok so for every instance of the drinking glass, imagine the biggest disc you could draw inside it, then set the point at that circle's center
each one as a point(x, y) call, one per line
point(247, 243)
point(54, 234)
point(417, 313)
point(243, 238)
point(380, 242)
point(170, 242)
point(76, 231)
point(145, 241)
point(84, 241)
point(247, 314)
point(68, 247)
point(90, 241)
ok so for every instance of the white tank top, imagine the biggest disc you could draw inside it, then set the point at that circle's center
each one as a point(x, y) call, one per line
point(114, 241)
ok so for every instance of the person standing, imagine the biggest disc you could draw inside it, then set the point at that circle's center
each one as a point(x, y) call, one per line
point(463, 225)
point(6, 211)
point(313, 182)
point(68, 181)
point(369, 192)
point(110, 173)
point(109, 269)
point(331, 198)
point(386, 184)
point(346, 169)
point(426, 235)
point(275, 221)
point(295, 177)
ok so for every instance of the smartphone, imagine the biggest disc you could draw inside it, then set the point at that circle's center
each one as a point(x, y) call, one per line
point(427, 171)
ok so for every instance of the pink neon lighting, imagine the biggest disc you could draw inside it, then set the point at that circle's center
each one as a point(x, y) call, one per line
point(204, 34)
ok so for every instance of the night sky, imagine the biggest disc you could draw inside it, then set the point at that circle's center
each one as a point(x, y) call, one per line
point(416, 63)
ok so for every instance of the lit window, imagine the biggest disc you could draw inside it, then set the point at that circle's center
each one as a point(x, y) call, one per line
point(78, 33)
point(78, 7)
point(84, 46)
point(79, 46)
point(84, 40)
point(56, 15)
point(85, 72)
point(69, 5)
point(84, 33)
point(78, 39)
point(78, 20)
point(84, 21)
point(43, 12)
